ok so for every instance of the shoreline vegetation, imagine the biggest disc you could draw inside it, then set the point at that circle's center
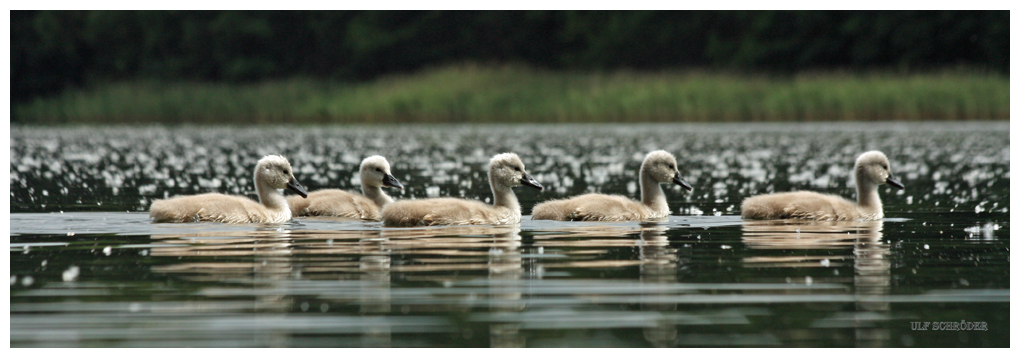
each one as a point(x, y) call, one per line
point(519, 94)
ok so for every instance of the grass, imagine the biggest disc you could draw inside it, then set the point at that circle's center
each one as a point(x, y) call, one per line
point(470, 93)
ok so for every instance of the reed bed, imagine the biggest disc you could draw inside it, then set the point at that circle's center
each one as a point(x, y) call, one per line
point(472, 93)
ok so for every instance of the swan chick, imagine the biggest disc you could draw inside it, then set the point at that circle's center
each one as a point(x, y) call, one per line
point(505, 172)
point(870, 170)
point(658, 167)
point(375, 174)
point(272, 173)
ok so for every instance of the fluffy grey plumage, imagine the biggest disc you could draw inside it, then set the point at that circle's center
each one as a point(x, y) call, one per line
point(272, 172)
point(657, 168)
point(375, 174)
point(870, 170)
point(505, 172)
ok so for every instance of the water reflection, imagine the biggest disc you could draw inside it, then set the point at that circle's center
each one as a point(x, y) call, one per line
point(698, 279)
point(856, 244)
point(587, 246)
point(658, 267)
point(281, 267)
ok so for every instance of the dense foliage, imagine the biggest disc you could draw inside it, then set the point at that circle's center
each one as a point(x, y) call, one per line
point(51, 50)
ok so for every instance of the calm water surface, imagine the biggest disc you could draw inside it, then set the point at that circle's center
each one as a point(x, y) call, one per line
point(89, 269)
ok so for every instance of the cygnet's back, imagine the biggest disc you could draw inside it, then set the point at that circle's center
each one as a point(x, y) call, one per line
point(870, 170)
point(505, 172)
point(658, 167)
point(271, 173)
point(367, 205)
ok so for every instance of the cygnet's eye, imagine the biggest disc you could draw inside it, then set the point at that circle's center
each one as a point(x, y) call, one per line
point(286, 172)
point(378, 170)
point(886, 167)
point(518, 169)
point(671, 166)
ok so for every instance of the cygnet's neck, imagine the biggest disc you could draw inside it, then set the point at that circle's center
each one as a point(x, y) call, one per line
point(652, 195)
point(270, 196)
point(375, 193)
point(867, 197)
point(503, 196)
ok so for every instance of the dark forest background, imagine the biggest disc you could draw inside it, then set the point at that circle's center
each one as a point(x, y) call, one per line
point(55, 50)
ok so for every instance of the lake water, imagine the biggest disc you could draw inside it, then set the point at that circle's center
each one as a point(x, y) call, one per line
point(88, 268)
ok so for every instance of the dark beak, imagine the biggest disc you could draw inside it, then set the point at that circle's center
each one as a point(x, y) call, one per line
point(392, 182)
point(891, 180)
point(678, 179)
point(297, 187)
point(527, 180)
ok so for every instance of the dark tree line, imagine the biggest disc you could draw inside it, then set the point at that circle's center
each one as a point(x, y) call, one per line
point(51, 50)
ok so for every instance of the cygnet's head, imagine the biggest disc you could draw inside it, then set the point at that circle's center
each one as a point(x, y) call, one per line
point(872, 168)
point(375, 171)
point(662, 167)
point(275, 171)
point(507, 170)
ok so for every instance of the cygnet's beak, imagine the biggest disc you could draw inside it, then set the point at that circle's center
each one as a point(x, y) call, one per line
point(391, 182)
point(891, 180)
point(294, 185)
point(527, 180)
point(679, 179)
